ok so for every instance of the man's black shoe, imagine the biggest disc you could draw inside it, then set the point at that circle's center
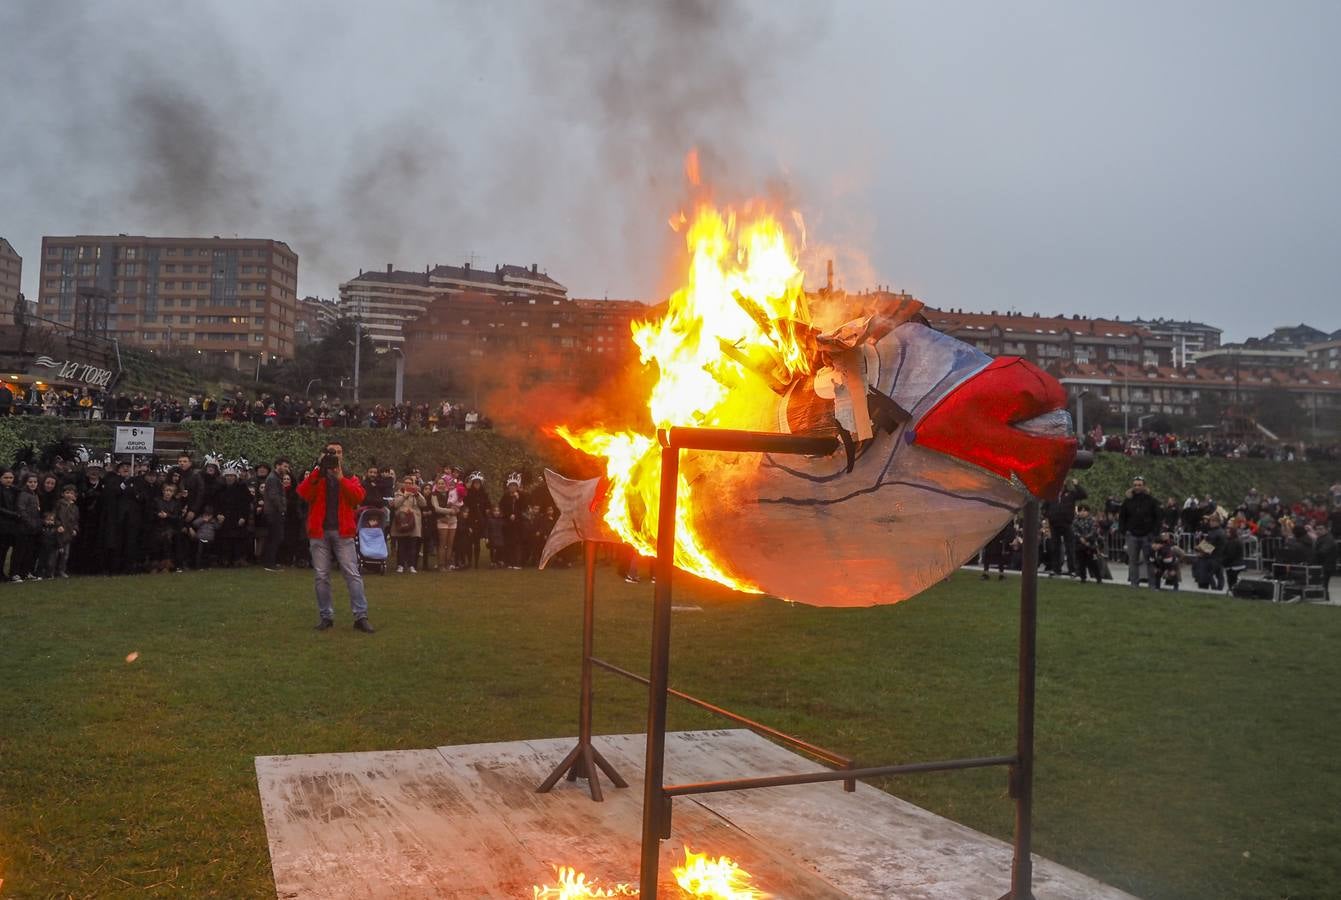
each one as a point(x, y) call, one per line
point(325, 623)
point(362, 625)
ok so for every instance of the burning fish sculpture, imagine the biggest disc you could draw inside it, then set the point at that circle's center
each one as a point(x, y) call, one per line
point(939, 444)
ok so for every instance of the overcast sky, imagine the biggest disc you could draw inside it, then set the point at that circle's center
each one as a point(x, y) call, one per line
point(1133, 158)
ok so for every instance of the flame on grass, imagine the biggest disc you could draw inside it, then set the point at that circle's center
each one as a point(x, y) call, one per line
point(737, 332)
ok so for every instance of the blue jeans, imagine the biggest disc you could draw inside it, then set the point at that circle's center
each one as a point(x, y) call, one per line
point(1138, 550)
point(342, 548)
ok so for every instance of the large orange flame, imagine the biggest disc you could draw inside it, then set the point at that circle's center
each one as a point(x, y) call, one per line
point(736, 332)
point(717, 879)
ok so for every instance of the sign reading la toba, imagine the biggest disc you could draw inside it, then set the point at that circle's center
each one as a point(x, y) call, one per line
point(74, 370)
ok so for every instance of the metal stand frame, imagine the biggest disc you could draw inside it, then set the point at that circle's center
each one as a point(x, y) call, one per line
point(657, 795)
point(584, 759)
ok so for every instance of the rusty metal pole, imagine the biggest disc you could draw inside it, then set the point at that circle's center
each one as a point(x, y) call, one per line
point(1022, 773)
point(656, 805)
point(585, 769)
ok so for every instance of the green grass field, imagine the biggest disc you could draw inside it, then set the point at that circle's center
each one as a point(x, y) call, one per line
point(1188, 746)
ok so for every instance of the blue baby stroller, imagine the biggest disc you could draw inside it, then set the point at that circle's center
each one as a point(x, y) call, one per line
point(371, 542)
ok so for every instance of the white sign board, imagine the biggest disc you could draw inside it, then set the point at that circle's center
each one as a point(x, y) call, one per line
point(134, 439)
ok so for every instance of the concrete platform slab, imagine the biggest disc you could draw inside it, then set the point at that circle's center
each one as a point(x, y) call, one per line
point(465, 822)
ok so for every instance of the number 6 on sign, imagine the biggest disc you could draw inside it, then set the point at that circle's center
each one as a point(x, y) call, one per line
point(134, 439)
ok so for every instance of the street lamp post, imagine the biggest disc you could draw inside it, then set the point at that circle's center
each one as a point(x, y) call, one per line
point(358, 341)
point(307, 394)
point(400, 375)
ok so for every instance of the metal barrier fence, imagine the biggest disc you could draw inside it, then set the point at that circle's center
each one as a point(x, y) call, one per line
point(1267, 550)
point(1258, 553)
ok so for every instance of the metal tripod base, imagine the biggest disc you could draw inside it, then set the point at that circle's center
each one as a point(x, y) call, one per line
point(584, 761)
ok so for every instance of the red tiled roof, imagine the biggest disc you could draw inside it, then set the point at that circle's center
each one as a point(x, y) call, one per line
point(951, 320)
point(1134, 374)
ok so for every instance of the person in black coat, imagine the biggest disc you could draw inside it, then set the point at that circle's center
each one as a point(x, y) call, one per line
point(87, 551)
point(1061, 514)
point(190, 488)
point(113, 519)
point(144, 488)
point(512, 511)
point(11, 522)
point(998, 550)
point(232, 504)
point(1138, 518)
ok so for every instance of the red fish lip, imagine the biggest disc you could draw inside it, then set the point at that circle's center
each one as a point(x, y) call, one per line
point(977, 422)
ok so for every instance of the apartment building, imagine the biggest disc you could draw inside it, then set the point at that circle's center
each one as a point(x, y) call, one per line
point(11, 278)
point(385, 302)
point(464, 336)
point(230, 301)
point(315, 316)
point(1183, 391)
point(1047, 340)
point(1188, 338)
point(1325, 354)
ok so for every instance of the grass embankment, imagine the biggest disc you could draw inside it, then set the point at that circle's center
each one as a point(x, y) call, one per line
point(1186, 744)
point(1227, 480)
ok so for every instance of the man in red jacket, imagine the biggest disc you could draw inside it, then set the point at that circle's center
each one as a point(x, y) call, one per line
point(331, 498)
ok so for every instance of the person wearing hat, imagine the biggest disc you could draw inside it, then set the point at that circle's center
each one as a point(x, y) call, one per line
point(114, 524)
point(233, 512)
point(87, 551)
point(145, 487)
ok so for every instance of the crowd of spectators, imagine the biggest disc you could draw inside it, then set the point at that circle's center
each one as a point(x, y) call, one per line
point(265, 409)
point(60, 516)
point(1153, 443)
point(1160, 539)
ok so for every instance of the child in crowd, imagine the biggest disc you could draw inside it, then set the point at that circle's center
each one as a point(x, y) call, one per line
point(204, 532)
point(1166, 561)
point(48, 545)
point(67, 518)
point(467, 539)
point(497, 539)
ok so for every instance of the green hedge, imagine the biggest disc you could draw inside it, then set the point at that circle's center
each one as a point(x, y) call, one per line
point(492, 453)
point(495, 455)
point(1227, 480)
